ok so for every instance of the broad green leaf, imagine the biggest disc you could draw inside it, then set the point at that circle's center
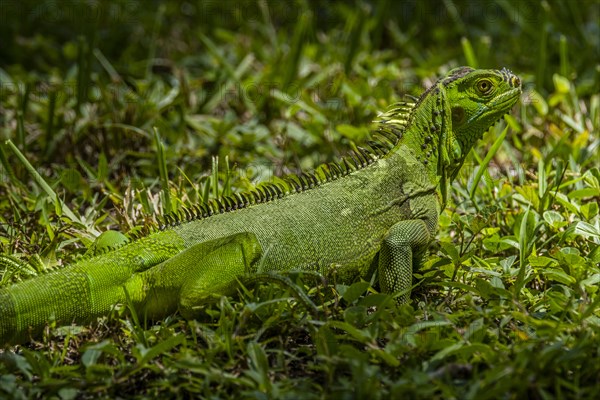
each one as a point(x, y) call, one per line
point(583, 193)
point(589, 210)
point(558, 275)
point(356, 134)
point(569, 256)
point(588, 230)
point(553, 218)
point(326, 342)
point(538, 102)
point(540, 261)
point(561, 84)
point(357, 334)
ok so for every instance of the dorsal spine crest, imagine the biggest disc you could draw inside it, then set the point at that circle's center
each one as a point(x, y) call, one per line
point(390, 128)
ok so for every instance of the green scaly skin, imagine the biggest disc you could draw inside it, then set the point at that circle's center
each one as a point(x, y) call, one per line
point(376, 211)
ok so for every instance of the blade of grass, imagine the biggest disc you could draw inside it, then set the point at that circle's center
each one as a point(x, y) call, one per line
point(170, 97)
point(206, 190)
point(112, 72)
point(454, 13)
point(155, 32)
point(356, 28)
point(8, 169)
point(20, 130)
point(542, 53)
point(83, 71)
point(233, 76)
point(564, 56)
point(486, 161)
point(523, 244)
point(45, 187)
point(296, 47)
point(127, 128)
point(215, 176)
point(50, 123)
point(469, 53)
point(162, 170)
point(227, 182)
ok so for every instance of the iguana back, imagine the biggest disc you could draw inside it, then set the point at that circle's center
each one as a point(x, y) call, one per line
point(338, 222)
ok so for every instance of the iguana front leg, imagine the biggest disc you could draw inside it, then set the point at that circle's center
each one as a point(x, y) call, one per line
point(400, 251)
point(198, 274)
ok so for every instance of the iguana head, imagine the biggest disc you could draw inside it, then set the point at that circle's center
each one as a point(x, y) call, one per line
point(477, 100)
point(447, 120)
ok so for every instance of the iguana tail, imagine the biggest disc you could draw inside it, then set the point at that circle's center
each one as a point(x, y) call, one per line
point(66, 296)
point(82, 291)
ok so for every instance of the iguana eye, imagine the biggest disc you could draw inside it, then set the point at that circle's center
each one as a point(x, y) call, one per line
point(484, 86)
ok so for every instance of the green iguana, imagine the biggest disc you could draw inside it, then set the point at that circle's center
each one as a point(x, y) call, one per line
point(374, 210)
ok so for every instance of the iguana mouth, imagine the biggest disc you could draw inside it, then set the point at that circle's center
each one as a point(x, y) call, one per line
point(510, 96)
point(498, 103)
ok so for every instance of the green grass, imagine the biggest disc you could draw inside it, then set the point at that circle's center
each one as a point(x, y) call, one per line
point(121, 108)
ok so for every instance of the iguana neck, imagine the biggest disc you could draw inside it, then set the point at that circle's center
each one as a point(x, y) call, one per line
point(426, 131)
point(422, 136)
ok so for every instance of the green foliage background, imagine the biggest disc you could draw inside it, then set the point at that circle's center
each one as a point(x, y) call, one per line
point(120, 106)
